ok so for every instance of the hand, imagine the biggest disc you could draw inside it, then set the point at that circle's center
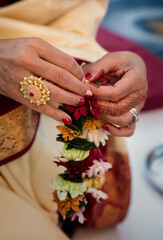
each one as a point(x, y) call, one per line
point(23, 57)
point(129, 91)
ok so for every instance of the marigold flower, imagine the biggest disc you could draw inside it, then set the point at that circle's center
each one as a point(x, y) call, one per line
point(66, 205)
point(93, 124)
point(94, 182)
point(67, 133)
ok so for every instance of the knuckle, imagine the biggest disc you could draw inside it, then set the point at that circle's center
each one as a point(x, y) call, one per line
point(62, 78)
point(116, 96)
point(70, 63)
point(73, 66)
point(130, 132)
point(20, 57)
point(32, 41)
point(122, 121)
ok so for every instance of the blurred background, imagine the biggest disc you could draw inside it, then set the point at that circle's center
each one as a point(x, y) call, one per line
point(138, 20)
point(137, 25)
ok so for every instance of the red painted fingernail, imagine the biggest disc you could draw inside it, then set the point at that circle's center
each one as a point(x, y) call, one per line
point(66, 120)
point(81, 102)
point(88, 76)
point(88, 94)
point(106, 127)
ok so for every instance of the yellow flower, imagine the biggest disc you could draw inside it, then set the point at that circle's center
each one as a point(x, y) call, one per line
point(94, 182)
point(67, 204)
point(67, 133)
point(93, 124)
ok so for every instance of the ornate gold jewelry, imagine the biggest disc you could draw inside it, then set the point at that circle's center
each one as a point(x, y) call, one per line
point(135, 114)
point(86, 82)
point(35, 90)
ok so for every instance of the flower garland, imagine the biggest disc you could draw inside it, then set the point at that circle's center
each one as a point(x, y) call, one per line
point(83, 155)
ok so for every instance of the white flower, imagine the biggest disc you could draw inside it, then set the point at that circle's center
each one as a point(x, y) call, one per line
point(98, 167)
point(80, 216)
point(97, 136)
point(73, 188)
point(61, 195)
point(74, 154)
point(97, 194)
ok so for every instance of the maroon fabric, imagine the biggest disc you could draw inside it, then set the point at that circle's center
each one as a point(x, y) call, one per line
point(7, 104)
point(4, 3)
point(113, 42)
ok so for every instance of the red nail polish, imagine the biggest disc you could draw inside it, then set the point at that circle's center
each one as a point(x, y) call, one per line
point(66, 120)
point(81, 102)
point(88, 76)
point(88, 94)
point(106, 127)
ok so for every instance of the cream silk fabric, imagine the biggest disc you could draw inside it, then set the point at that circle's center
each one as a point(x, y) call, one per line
point(26, 207)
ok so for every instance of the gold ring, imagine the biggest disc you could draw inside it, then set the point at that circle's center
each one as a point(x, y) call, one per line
point(35, 90)
point(135, 114)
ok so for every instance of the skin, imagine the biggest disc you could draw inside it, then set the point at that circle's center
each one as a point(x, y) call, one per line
point(32, 56)
point(23, 57)
point(131, 68)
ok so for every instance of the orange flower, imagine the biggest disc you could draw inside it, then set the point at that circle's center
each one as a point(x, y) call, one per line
point(67, 133)
point(94, 182)
point(67, 204)
point(93, 124)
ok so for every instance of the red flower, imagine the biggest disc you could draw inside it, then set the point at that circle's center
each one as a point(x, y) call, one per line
point(77, 111)
point(76, 167)
point(90, 106)
point(97, 154)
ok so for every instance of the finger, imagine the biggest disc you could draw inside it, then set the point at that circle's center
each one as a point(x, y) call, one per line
point(123, 120)
point(59, 76)
point(46, 109)
point(62, 96)
point(53, 55)
point(121, 132)
point(123, 105)
point(121, 88)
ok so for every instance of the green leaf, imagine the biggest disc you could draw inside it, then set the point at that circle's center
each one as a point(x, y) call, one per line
point(98, 83)
point(78, 143)
point(76, 179)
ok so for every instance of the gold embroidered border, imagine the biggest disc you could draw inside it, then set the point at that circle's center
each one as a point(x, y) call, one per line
point(17, 129)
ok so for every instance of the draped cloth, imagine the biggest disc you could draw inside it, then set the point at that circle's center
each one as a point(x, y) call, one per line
point(26, 207)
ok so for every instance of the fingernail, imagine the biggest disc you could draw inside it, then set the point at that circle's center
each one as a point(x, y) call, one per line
point(81, 102)
point(88, 76)
point(66, 120)
point(105, 127)
point(88, 94)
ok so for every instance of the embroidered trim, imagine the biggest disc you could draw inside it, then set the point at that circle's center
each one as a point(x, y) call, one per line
point(17, 130)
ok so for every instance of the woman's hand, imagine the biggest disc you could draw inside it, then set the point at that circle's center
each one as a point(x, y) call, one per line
point(23, 57)
point(128, 92)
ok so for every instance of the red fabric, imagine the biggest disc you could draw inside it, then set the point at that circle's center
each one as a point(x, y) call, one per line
point(113, 42)
point(4, 3)
point(7, 104)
